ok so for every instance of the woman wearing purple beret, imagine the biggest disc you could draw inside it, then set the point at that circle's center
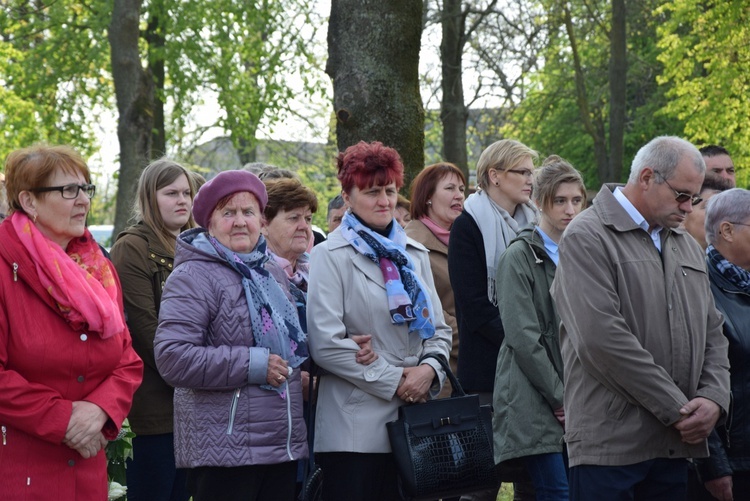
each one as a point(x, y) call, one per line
point(229, 340)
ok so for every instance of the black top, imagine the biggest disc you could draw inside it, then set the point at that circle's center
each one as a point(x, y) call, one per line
point(480, 331)
point(729, 444)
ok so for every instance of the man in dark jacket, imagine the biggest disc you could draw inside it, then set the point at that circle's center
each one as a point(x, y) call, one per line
point(726, 473)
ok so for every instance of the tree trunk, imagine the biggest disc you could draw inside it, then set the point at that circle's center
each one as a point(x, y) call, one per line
point(594, 127)
point(134, 91)
point(373, 59)
point(453, 113)
point(155, 37)
point(618, 68)
point(247, 150)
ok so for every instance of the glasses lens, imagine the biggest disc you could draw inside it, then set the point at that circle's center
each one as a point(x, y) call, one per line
point(90, 190)
point(682, 198)
point(697, 200)
point(70, 191)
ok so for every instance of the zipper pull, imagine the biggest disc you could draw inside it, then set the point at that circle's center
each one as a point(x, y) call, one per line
point(15, 272)
point(4, 431)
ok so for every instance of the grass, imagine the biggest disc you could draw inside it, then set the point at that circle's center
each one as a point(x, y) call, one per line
point(506, 493)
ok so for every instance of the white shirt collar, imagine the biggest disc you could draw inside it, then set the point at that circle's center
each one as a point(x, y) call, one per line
point(550, 246)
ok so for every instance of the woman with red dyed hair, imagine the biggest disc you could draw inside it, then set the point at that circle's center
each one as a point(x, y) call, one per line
point(371, 285)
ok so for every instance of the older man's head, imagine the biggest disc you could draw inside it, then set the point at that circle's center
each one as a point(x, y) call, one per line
point(728, 225)
point(665, 179)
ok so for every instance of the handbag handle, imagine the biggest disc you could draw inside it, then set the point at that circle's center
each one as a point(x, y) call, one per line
point(457, 388)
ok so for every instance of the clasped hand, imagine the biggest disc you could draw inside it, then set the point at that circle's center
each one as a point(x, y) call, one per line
point(698, 419)
point(84, 432)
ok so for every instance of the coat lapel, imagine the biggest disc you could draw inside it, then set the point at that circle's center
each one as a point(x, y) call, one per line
point(370, 269)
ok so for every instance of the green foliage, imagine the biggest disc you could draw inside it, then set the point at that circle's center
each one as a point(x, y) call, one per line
point(549, 119)
point(243, 53)
point(117, 452)
point(705, 49)
point(53, 63)
point(316, 166)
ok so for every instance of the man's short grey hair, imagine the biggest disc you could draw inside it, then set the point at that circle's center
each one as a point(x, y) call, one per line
point(268, 171)
point(662, 154)
point(336, 203)
point(731, 205)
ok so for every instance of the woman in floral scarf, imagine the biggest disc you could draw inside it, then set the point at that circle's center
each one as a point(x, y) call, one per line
point(229, 340)
point(67, 367)
point(369, 279)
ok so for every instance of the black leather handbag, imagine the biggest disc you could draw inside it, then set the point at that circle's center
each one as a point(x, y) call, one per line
point(443, 448)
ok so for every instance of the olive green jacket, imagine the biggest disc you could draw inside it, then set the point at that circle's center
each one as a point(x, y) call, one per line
point(528, 378)
point(143, 265)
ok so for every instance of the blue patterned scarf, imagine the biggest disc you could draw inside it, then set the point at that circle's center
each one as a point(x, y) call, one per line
point(736, 275)
point(408, 301)
point(274, 318)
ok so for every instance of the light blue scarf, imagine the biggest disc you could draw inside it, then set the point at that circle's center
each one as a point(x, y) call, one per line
point(408, 300)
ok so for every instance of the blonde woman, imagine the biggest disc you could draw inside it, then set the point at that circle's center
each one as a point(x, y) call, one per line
point(144, 257)
point(492, 218)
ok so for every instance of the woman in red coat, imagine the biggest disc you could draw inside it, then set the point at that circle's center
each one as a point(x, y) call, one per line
point(67, 368)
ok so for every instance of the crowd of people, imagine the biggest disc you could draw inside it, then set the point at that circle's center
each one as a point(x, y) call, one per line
point(608, 340)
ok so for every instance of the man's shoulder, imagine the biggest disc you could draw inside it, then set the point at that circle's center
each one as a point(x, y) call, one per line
point(588, 223)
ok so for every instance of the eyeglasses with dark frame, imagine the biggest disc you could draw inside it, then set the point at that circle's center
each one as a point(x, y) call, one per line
point(524, 172)
point(741, 224)
point(70, 191)
point(681, 197)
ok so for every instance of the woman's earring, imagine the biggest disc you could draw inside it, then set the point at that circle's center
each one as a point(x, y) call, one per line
point(33, 218)
point(429, 202)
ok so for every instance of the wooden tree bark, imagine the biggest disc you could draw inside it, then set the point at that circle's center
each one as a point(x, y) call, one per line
point(592, 123)
point(453, 112)
point(134, 90)
point(156, 38)
point(373, 59)
point(618, 69)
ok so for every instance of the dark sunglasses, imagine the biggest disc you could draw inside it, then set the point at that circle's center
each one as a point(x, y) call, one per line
point(681, 197)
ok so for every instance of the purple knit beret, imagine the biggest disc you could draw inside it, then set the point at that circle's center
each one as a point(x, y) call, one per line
point(226, 183)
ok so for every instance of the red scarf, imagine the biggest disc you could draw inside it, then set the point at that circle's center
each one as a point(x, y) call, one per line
point(79, 279)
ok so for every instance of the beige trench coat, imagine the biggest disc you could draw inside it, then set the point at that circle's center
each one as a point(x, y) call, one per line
point(346, 296)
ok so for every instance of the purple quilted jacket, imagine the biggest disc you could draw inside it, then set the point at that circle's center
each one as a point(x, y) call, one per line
point(221, 415)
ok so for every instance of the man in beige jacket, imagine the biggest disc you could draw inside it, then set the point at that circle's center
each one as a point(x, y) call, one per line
point(646, 370)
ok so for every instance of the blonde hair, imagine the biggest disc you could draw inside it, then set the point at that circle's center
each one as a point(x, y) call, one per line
point(501, 155)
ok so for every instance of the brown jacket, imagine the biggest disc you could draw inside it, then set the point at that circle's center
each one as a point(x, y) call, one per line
point(439, 264)
point(144, 265)
point(640, 337)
